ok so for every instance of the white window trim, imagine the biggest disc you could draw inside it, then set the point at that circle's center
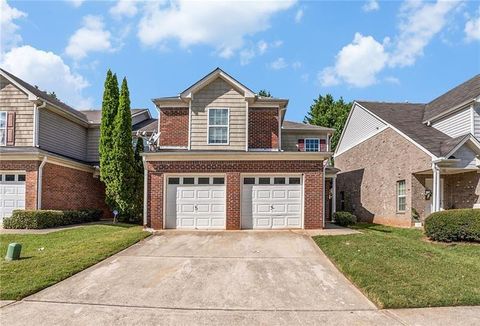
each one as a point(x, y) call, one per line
point(401, 196)
point(305, 144)
point(227, 125)
point(5, 128)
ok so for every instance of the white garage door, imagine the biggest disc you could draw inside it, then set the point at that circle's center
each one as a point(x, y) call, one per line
point(272, 202)
point(195, 203)
point(12, 193)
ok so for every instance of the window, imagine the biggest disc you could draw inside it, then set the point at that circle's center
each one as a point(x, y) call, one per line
point(3, 128)
point(264, 181)
point(401, 196)
point(312, 144)
point(249, 181)
point(173, 181)
point(218, 181)
point(9, 177)
point(294, 181)
point(188, 181)
point(203, 181)
point(21, 177)
point(218, 126)
point(279, 181)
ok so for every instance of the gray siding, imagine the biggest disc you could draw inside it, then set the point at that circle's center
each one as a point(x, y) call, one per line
point(456, 124)
point(93, 139)
point(62, 136)
point(139, 118)
point(14, 100)
point(218, 94)
point(290, 139)
point(476, 117)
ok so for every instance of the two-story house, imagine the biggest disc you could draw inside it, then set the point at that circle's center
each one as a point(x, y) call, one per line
point(399, 161)
point(227, 159)
point(49, 151)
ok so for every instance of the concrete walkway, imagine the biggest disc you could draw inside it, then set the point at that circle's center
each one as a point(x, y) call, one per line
point(205, 278)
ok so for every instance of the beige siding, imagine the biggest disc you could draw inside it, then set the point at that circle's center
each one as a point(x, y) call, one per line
point(12, 99)
point(62, 136)
point(218, 94)
point(93, 140)
point(290, 139)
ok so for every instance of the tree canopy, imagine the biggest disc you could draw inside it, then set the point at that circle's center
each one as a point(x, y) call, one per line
point(264, 93)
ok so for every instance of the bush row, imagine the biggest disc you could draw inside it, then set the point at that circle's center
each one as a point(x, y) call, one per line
point(454, 225)
point(42, 219)
point(344, 218)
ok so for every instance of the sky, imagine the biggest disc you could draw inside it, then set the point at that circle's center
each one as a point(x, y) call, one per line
point(359, 50)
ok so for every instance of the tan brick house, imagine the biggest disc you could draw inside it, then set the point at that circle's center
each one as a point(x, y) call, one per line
point(401, 160)
point(227, 159)
point(49, 151)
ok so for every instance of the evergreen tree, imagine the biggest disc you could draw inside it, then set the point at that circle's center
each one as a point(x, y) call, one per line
point(138, 209)
point(328, 112)
point(109, 111)
point(264, 93)
point(123, 162)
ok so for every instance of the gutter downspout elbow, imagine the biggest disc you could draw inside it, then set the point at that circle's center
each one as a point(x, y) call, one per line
point(39, 182)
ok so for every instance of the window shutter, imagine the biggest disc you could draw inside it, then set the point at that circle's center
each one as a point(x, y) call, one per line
point(10, 128)
point(323, 145)
point(301, 145)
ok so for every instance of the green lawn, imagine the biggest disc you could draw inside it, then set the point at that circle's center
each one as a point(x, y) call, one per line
point(396, 268)
point(50, 258)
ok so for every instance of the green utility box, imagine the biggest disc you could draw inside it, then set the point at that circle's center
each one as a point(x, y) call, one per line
point(13, 251)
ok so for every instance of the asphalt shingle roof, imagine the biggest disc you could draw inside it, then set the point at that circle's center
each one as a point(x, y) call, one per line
point(303, 126)
point(95, 115)
point(149, 126)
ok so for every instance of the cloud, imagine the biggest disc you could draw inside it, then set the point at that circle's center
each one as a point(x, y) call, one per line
point(278, 64)
point(76, 3)
point(357, 63)
point(419, 23)
point(299, 15)
point(222, 25)
point(124, 8)
point(472, 29)
point(9, 36)
point(91, 37)
point(49, 72)
point(296, 65)
point(247, 54)
point(371, 5)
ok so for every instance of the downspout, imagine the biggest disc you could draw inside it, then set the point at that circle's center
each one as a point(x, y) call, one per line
point(145, 188)
point(39, 182)
point(323, 195)
point(36, 121)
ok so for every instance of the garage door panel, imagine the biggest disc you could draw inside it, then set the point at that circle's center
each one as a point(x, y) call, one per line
point(203, 194)
point(294, 194)
point(218, 194)
point(12, 195)
point(218, 208)
point(281, 194)
point(294, 208)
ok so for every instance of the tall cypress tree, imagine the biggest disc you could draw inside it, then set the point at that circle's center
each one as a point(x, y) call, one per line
point(124, 163)
point(109, 111)
point(138, 209)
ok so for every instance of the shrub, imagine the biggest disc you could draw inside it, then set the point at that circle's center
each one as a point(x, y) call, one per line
point(344, 218)
point(454, 225)
point(42, 219)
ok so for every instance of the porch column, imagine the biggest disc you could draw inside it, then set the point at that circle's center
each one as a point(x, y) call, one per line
point(436, 188)
point(334, 195)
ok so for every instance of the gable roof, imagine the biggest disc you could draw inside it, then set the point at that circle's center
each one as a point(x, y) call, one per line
point(95, 115)
point(407, 118)
point(456, 97)
point(149, 126)
point(292, 125)
point(36, 93)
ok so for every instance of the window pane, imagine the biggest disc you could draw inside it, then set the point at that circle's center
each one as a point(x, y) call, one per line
point(279, 181)
point(1, 177)
point(249, 181)
point(294, 181)
point(10, 177)
point(3, 119)
point(203, 181)
point(264, 181)
point(188, 181)
point(401, 204)
point(173, 181)
point(21, 177)
point(311, 145)
point(217, 135)
point(401, 188)
point(3, 137)
point(218, 181)
point(218, 117)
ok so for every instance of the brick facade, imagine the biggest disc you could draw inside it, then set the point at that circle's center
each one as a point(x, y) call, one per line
point(31, 168)
point(174, 127)
point(263, 128)
point(462, 190)
point(312, 171)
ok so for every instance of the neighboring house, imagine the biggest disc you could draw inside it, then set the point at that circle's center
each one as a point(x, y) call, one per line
point(398, 159)
point(226, 159)
point(49, 151)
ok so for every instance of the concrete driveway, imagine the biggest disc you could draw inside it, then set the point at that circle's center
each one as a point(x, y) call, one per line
point(245, 278)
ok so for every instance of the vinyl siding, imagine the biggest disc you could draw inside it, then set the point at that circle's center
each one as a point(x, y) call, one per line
point(456, 124)
point(466, 155)
point(14, 100)
point(290, 139)
point(93, 139)
point(218, 94)
point(476, 118)
point(139, 118)
point(62, 136)
point(361, 126)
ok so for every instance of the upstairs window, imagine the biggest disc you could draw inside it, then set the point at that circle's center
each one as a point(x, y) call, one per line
point(312, 144)
point(218, 126)
point(401, 196)
point(3, 128)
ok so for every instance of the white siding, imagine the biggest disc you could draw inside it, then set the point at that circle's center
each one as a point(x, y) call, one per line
point(476, 118)
point(466, 156)
point(361, 126)
point(456, 124)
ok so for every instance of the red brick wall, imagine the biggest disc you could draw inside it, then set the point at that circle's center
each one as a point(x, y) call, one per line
point(31, 168)
point(313, 185)
point(263, 128)
point(174, 127)
point(69, 189)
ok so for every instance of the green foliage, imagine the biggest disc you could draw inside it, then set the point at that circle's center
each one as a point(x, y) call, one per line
point(264, 93)
point(42, 219)
point(123, 163)
point(138, 209)
point(109, 111)
point(328, 112)
point(454, 225)
point(344, 218)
